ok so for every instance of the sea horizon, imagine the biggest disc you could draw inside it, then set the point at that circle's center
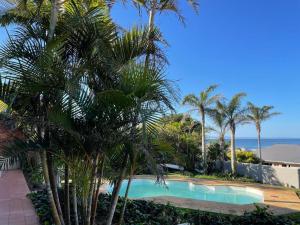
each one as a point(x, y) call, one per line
point(250, 144)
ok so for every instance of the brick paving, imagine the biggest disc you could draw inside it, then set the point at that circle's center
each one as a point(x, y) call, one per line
point(15, 207)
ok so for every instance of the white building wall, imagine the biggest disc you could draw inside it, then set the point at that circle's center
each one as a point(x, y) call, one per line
point(275, 175)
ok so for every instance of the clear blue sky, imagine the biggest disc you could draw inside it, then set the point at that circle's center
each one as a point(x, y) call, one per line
point(251, 46)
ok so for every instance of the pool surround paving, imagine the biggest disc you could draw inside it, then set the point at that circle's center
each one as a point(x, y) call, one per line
point(279, 199)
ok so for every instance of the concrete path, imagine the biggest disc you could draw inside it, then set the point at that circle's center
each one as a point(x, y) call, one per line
point(15, 207)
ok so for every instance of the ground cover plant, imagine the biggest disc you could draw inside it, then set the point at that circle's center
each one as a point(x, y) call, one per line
point(139, 212)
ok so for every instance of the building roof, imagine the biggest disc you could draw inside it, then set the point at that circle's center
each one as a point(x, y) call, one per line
point(284, 153)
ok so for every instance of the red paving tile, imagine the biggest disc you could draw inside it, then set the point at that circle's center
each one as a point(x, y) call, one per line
point(15, 207)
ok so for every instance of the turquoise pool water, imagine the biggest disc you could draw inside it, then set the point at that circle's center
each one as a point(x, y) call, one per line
point(142, 188)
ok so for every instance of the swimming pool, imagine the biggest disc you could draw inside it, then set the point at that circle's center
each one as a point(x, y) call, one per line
point(143, 188)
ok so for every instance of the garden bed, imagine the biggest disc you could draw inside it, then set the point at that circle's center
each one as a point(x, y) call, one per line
point(140, 212)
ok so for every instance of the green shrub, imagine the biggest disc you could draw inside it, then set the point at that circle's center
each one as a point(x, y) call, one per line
point(42, 207)
point(140, 212)
point(244, 156)
point(33, 173)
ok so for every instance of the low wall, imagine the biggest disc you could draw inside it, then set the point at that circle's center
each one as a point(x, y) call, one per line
point(275, 175)
point(14, 166)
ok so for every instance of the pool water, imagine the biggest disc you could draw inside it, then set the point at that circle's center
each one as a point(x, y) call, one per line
point(142, 188)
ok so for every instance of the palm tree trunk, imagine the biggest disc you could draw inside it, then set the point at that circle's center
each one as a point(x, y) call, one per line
point(233, 155)
point(97, 192)
point(91, 191)
point(150, 29)
point(125, 198)
point(259, 150)
point(49, 190)
point(222, 149)
point(259, 146)
point(75, 203)
point(67, 196)
point(116, 191)
point(54, 187)
point(53, 18)
point(203, 142)
point(84, 209)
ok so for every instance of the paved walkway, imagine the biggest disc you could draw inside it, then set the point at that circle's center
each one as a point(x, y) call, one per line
point(15, 207)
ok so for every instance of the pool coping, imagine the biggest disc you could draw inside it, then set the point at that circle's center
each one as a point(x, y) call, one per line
point(279, 199)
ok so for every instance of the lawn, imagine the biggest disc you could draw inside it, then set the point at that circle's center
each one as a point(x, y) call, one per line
point(213, 176)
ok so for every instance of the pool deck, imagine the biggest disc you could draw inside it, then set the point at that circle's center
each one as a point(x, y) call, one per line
point(280, 200)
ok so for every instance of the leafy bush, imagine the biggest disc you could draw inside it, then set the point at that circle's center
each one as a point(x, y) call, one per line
point(262, 216)
point(42, 207)
point(244, 156)
point(215, 153)
point(32, 170)
point(139, 212)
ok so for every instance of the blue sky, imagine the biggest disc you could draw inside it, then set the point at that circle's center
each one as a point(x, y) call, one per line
point(251, 46)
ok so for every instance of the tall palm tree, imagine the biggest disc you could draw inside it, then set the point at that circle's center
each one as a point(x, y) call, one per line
point(203, 104)
point(47, 72)
point(153, 8)
point(235, 114)
point(22, 6)
point(219, 120)
point(257, 115)
point(150, 94)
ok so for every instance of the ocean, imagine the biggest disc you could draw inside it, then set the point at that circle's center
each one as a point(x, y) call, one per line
point(251, 143)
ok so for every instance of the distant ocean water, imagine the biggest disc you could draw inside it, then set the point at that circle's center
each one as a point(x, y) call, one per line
point(251, 143)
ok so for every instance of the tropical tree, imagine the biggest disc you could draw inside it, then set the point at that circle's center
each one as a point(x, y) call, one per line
point(178, 141)
point(203, 104)
point(235, 114)
point(150, 94)
point(257, 115)
point(153, 8)
point(72, 89)
point(221, 125)
point(19, 7)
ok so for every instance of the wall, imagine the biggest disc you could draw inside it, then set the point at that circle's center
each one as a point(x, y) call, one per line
point(14, 166)
point(275, 175)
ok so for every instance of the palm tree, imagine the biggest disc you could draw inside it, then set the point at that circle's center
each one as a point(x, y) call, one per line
point(219, 120)
point(235, 114)
point(257, 115)
point(150, 94)
point(202, 104)
point(62, 86)
point(22, 5)
point(154, 7)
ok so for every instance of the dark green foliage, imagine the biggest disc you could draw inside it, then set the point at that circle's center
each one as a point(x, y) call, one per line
point(149, 213)
point(215, 153)
point(139, 212)
point(260, 215)
point(178, 141)
point(33, 174)
point(41, 204)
